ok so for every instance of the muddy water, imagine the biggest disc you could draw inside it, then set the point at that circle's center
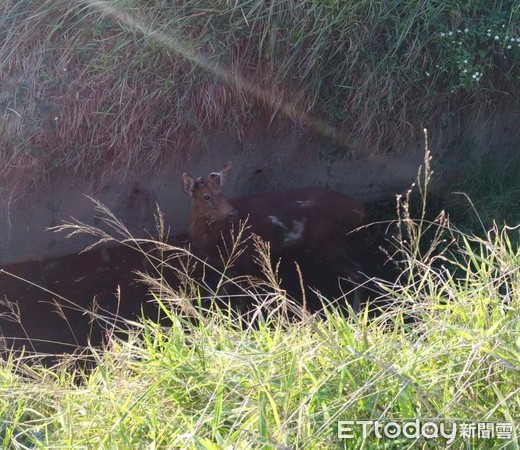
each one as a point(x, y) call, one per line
point(44, 303)
point(49, 298)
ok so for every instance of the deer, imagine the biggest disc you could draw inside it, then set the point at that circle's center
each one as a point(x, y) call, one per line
point(311, 219)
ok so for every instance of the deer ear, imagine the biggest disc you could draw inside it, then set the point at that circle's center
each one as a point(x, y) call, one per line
point(188, 184)
point(225, 173)
point(222, 176)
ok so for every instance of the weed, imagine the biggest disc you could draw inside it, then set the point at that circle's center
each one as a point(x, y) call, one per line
point(134, 85)
point(281, 377)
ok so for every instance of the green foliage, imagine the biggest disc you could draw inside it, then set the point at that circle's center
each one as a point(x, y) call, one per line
point(354, 71)
point(211, 380)
point(481, 44)
point(485, 192)
point(276, 385)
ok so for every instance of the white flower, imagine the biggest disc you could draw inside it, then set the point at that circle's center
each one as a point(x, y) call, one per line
point(465, 71)
point(508, 46)
point(512, 39)
point(465, 30)
point(489, 31)
point(465, 61)
point(427, 74)
point(496, 38)
point(450, 33)
point(442, 34)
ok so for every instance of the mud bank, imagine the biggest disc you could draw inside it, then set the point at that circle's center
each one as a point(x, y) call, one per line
point(264, 161)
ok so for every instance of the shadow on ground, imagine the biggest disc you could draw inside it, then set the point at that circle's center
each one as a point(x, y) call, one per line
point(45, 303)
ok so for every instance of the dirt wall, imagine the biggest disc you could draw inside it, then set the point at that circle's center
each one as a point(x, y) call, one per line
point(265, 160)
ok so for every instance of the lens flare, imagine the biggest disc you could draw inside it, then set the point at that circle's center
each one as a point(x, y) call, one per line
point(183, 48)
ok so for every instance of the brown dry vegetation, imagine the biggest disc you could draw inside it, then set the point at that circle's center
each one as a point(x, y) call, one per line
point(105, 88)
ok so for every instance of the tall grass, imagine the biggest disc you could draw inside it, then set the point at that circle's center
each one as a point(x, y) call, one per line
point(282, 385)
point(109, 87)
point(486, 192)
point(211, 380)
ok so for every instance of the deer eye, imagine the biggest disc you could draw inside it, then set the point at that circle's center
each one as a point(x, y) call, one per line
point(206, 197)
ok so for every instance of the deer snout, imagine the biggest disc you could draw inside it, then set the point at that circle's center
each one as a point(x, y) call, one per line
point(232, 216)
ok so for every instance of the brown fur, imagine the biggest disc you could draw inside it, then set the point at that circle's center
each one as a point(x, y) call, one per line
point(312, 219)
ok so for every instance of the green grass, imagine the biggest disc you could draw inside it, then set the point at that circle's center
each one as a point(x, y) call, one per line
point(282, 385)
point(102, 88)
point(106, 88)
point(486, 191)
point(211, 381)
